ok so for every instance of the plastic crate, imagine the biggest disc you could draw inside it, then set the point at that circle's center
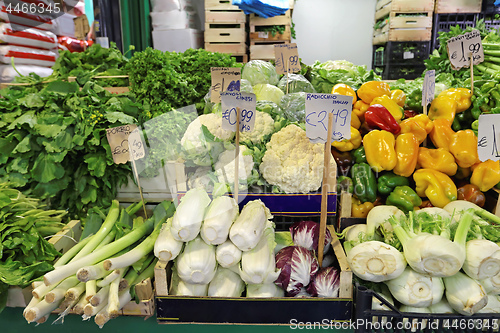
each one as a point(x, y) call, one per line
point(407, 72)
point(369, 320)
point(490, 21)
point(443, 23)
point(489, 7)
point(404, 53)
point(378, 56)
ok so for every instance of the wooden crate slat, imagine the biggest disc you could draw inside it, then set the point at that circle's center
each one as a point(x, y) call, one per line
point(458, 6)
point(213, 16)
point(266, 36)
point(381, 3)
point(219, 4)
point(225, 35)
point(233, 48)
point(401, 35)
point(262, 52)
point(284, 19)
point(412, 5)
point(383, 12)
point(399, 20)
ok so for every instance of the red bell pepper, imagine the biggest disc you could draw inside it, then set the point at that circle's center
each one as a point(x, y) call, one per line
point(378, 116)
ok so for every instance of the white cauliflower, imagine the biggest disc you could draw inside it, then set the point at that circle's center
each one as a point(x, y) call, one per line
point(224, 168)
point(264, 125)
point(197, 147)
point(201, 178)
point(292, 162)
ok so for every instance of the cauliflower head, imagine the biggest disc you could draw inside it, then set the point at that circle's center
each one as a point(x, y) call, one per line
point(201, 178)
point(224, 167)
point(200, 148)
point(264, 125)
point(292, 162)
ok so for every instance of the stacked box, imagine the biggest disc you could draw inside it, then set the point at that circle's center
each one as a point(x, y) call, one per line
point(265, 32)
point(225, 29)
point(457, 6)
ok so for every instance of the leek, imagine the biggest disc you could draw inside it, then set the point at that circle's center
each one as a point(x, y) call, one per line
point(196, 264)
point(189, 215)
point(465, 295)
point(218, 220)
point(249, 227)
point(414, 289)
point(227, 254)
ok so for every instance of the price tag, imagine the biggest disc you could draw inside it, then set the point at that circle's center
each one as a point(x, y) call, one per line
point(408, 55)
point(488, 137)
point(318, 106)
point(230, 103)
point(286, 58)
point(118, 140)
point(429, 87)
point(263, 34)
point(136, 145)
point(224, 79)
point(460, 49)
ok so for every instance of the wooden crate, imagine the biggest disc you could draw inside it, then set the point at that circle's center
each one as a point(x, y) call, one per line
point(254, 311)
point(457, 6)
point(284, 19)
point(224, 33)
point(262, 52)
point(384, 7)
point(220, 4)
point(267, 36)
point(225, 16)
point(399, 20)
point(403, 35)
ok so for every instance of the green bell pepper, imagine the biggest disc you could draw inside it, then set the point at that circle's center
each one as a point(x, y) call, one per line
point(404, 197)
point(344, 183)
point(359, 155)
point(364, 182)
point(388, 181)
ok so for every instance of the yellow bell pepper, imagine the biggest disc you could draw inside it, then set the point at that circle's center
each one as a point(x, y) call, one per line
point(391, 106)
point(406, 154)
point(420, 126)
point(461, 95)
point(355, 122)
point(372, 89)
point(398, 96)
point(359, 108)
point(379, 150)
point(359, 209)
point(443, 107)
point(485, 175)
point(441, 133)
point(437, 159)
point(436, 186)
point(349, 144)
point(344, 89)
point(463, 145)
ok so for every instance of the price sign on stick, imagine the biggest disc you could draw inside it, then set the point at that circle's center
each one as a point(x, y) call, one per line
point(286, 58)
point(136, 145)
point(231, 102)
point(428, 88)
point(318, 107)
point(224, 79)
point(462, 47)
point(488, 137)
point(118, 141)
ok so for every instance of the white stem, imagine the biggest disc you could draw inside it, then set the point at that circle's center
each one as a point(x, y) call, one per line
point(42, 290)
point(113, 297)
point(35, 284)
point(110, 278)
point(57, 294)
point(66, 309)
point(100, 296)
point(78, 308)
point(126, 259)
point(90, 289)
point(38, 311)
point(92, 272)
point(43, 319)
point(90, 310)
point(102, 317)
point(34, 301)
point(75, 292)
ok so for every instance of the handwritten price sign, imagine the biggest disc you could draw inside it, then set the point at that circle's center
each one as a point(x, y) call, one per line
point(318, 106)
point(118, 141)
point(136, 145)
point(231, 102)
point(224, 79)
point(462, 47)
point(429, 87)
point(286, 58)
point(488, 135)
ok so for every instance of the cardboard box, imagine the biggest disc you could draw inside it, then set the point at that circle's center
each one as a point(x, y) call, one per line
point(178, 40)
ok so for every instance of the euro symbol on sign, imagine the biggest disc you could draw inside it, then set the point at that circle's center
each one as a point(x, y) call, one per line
point(482, 143)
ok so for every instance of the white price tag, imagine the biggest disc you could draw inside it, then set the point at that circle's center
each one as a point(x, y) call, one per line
point(136, 145)
point(318, 106)
point(408, 55)
point(429, 87)
point(488, 137)
point(118, 141)
point(462, 47)
point(286, 58)
point(245, 103)
point(224, 79)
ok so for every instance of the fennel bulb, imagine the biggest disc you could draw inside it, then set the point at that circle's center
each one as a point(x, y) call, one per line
point(227, 254)
point(188, 216)
point(434, 254)
point(184, 288)
point(493, 305)
point(249, 227)
point(196, 264)
point(264, 290)
point(376, 261)
point(465, 295)
point(166, 247)
point(377, 219)
point(482, 259)
point(491, 285)
point(414, 289)
point(441, 307)
point(226, 283)
point(219, 217)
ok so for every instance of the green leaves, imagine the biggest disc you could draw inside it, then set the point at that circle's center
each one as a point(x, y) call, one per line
point(46, 169)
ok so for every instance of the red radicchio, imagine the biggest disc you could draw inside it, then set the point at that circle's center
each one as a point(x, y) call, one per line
point(297, 266)
point(326, 283)
point(306, 234)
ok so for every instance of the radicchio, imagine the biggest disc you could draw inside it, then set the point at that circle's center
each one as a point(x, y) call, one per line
point(306, 234)
point(297, 266)
point(326, 283)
